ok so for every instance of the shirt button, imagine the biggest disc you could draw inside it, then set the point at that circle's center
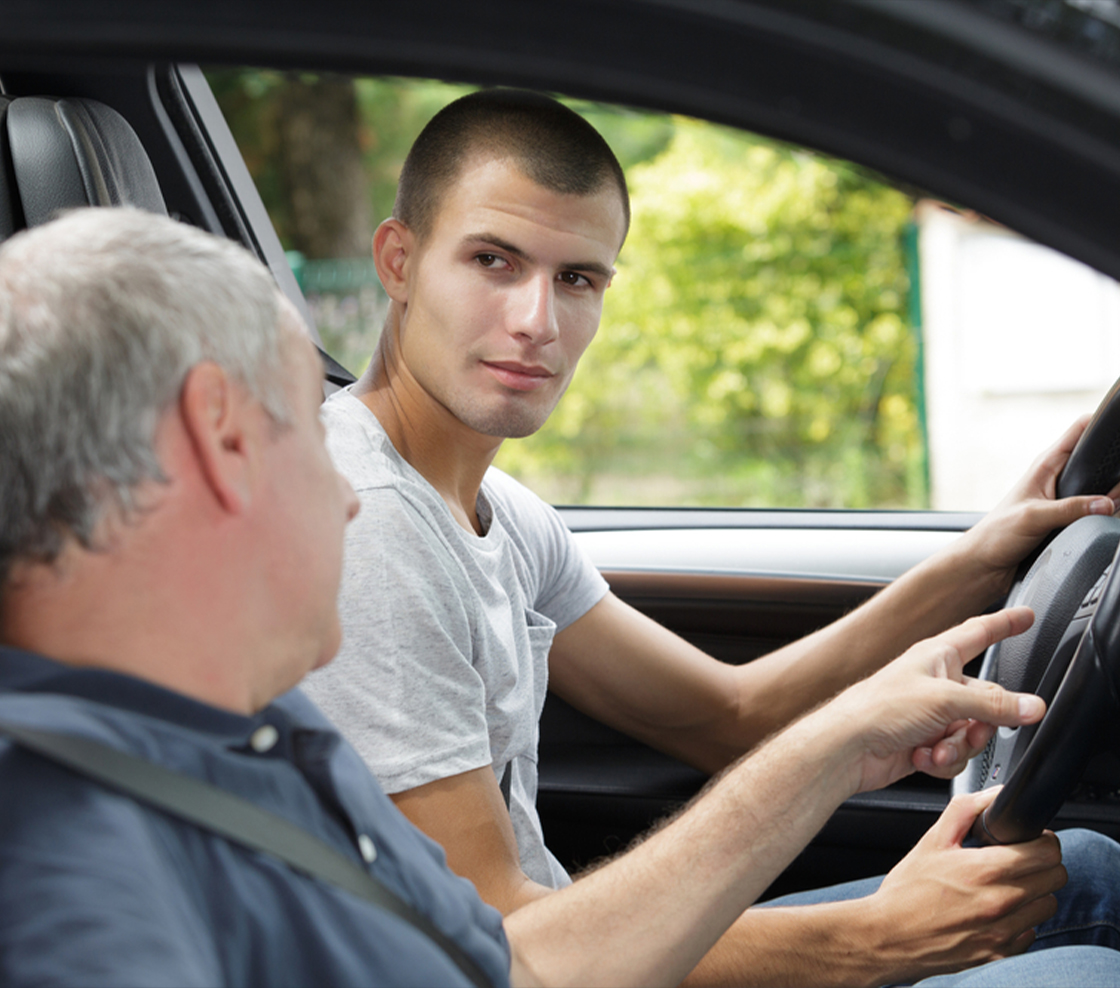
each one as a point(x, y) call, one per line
point(368, 851)
point(263, 738)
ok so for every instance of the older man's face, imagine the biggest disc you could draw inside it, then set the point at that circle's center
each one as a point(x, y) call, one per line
point(310, 503)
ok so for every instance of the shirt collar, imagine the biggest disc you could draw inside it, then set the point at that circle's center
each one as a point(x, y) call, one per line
point(26, 672)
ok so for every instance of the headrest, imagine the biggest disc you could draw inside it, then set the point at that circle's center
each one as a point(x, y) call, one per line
point(11, 216)
point(66, 153)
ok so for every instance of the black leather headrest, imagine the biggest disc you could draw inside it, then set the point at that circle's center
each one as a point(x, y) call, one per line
point(11, 214)
point(70, 152)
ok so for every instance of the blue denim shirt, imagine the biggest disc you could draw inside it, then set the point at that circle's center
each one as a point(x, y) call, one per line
point(96, 888)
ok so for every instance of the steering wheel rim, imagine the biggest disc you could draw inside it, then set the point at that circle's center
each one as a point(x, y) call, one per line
point(1040, 764)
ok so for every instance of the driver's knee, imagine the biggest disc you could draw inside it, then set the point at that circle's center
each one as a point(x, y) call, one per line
point(1085, 853)
point(1089, 905)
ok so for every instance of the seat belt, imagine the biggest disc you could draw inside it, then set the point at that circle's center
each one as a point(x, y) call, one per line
point(234, 818)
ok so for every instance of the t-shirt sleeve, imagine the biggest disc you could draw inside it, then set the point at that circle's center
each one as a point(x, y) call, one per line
point(402, 688)
point(574, 585)
point(565, 582)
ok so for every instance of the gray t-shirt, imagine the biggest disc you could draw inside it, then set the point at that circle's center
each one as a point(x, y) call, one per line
point(444, 661)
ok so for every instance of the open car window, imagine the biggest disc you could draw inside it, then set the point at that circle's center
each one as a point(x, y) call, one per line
point(786, 330)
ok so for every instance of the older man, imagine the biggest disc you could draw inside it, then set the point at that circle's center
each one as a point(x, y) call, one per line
point(169, 553)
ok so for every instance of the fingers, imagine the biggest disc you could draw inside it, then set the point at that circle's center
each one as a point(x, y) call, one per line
point(921, 709)
point(1013, 861)
point(1036, 912)
point(1053, 461)
point(976, 634)
point(1048, 515)
point(955, 822)
point(947, 757)
point(944, 758)
point(993, 705)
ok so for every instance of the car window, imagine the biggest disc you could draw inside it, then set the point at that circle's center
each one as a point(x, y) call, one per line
point(785, 329)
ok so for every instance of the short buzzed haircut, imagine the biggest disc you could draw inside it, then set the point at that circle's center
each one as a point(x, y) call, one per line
point(551, 144)
point(102, 314)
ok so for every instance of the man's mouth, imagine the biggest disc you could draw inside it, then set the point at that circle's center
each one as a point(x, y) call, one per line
point(519, 377)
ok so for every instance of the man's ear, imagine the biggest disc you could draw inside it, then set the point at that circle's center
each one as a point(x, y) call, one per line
point(214, 412)
point(393, 245)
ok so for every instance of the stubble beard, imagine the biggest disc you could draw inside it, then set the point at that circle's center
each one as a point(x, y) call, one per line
point(515, 420)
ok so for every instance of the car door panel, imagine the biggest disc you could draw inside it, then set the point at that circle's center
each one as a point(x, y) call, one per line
point(738, 593)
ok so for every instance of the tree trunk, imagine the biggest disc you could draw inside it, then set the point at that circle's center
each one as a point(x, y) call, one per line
point(320, 157)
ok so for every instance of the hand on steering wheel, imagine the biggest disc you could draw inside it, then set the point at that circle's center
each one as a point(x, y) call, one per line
point(1012, 530)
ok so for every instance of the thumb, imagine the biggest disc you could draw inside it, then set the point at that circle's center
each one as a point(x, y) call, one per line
point(956, 822)
point(1087, 504)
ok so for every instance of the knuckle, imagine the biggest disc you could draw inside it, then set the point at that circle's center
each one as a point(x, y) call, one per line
point(1060, 877)
point(993, 904)
point(1052, 851)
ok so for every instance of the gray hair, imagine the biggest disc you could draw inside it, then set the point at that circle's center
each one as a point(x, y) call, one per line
point(102, 314)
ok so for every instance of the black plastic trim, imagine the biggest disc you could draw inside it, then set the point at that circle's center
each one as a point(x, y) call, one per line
point(955, 103)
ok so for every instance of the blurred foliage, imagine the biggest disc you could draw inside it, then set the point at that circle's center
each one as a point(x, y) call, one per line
point(392, 113)
point(754, 348)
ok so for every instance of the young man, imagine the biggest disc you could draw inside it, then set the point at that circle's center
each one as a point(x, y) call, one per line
point(510, 215)
point(170, 547)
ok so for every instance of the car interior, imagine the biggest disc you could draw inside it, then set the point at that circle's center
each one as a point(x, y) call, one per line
point(106, 126)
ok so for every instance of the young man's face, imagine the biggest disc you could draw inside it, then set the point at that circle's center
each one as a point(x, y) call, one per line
point(505, 294)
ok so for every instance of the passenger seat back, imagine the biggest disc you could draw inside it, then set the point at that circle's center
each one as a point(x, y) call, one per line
point(69, 152)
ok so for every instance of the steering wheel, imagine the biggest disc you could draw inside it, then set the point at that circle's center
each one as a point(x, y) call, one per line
point(1070, 656)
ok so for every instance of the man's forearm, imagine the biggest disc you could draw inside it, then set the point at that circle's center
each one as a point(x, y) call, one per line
point(828, 945)
point(650, 916)
point(935, 595)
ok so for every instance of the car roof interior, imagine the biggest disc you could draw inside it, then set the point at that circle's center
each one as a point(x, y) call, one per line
point(941, 95)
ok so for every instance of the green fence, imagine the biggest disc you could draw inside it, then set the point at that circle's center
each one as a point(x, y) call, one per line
point(347, 303)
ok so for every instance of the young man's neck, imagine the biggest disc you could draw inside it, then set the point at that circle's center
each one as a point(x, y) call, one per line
point(452, 457)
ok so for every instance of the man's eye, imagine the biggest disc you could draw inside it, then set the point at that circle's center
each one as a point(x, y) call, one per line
point(487, 260)
point(573, 278)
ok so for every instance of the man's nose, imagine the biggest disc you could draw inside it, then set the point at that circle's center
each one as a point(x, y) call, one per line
point(535, 317)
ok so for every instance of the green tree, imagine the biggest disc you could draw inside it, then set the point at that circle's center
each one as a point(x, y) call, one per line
point(302, 138)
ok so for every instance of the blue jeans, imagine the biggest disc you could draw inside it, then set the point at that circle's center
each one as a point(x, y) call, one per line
point(1079, 946)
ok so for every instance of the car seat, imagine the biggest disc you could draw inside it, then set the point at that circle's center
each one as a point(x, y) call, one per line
point(60, 153)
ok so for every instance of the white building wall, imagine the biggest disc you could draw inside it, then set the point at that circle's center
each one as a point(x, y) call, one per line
point(1019, 340)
